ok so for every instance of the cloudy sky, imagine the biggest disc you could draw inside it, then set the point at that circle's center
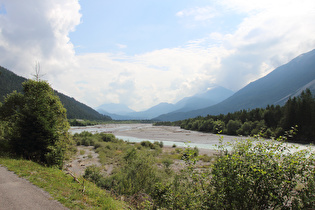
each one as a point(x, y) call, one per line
point(143, 52)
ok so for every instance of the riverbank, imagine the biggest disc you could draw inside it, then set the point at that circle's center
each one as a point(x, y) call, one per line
point(169, 135)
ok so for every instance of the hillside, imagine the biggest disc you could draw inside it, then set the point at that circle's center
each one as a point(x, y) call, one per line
point(9, 82)
point(275, 88)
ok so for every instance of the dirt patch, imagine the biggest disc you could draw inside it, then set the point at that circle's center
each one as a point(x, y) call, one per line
point(86, 156)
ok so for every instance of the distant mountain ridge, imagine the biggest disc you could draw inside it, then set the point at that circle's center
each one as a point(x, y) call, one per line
point(9, 82)
point(212, 96)
point(113, 108)
point(275, 88)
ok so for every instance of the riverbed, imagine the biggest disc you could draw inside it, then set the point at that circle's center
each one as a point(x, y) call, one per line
point(169, 135)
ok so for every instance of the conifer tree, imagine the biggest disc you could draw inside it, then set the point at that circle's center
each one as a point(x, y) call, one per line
point(39, 123)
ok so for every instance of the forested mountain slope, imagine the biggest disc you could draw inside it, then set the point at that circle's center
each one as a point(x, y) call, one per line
point(9, 82)
point(275, 88)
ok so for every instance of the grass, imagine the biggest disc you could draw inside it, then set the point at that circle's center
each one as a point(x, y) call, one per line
point(62, 186)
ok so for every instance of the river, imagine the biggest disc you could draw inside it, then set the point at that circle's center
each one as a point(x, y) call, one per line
point(169, 135)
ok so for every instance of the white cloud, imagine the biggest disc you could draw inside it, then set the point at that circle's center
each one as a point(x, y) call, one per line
point(198, 13)
point(270, 36)
point(38, 31)
point(272, 33)
point(121, 46)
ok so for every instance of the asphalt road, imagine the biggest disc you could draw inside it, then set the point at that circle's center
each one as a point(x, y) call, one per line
point(17, 193)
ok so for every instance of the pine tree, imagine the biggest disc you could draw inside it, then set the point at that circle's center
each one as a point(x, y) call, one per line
point(39, 122)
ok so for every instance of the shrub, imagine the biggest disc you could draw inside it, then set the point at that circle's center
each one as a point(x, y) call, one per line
point(233, 126)
point(138, 174)
point(253, 175)
point(108, 137)
point(149, 144)
point(262, 175)
point(186, 190)
point(218, 126)
point(190, 154)
point(93, 174)
point(159, 144)
point(167, 162)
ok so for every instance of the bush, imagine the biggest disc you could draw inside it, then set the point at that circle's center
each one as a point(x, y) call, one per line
point(186, 190)
point(218, 126)
point(245, 129)
point(254, 175)
point(233, 126)
point(167, 162)
point(93, 174)
point(108, 137)
point(150, 145)
point(159, 144)
point(262, 175)
point(138, 174)
point(190, 154)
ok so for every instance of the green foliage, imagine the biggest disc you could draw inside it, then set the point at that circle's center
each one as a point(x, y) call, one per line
point(88, 139)
point(4, 144)
point(233, 126)
point(37, 122)
point(254, 175)
point(155, 145)
point(76, 122)
point(262, 175)
point(93, 174)
point(301, 111)
point(187, 189)
point(108, 137)
point(138, 174)
point(9, 82)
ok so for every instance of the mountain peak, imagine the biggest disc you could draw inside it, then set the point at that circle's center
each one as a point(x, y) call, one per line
point(274, 88)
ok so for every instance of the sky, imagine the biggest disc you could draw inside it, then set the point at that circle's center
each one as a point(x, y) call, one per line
point(144, 52)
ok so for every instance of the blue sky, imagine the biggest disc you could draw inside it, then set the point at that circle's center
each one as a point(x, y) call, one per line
point(144, 52)
point(135, 27)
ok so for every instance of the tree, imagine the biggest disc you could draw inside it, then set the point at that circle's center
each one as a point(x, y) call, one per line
point(39, 123)
point(233, 126)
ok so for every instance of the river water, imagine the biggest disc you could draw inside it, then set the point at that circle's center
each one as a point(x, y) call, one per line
point(169, 135)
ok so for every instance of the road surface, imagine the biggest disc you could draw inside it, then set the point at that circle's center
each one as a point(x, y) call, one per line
point(18, 193)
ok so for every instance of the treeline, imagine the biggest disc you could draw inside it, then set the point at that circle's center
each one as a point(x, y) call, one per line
point(77, 122)
point(271, 121)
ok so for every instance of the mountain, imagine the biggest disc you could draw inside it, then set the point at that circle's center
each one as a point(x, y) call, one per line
point(120, 109)
point(9, 82)
point(115, 114)
point(212, 96)
point(275, 88)
point(154, 111)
